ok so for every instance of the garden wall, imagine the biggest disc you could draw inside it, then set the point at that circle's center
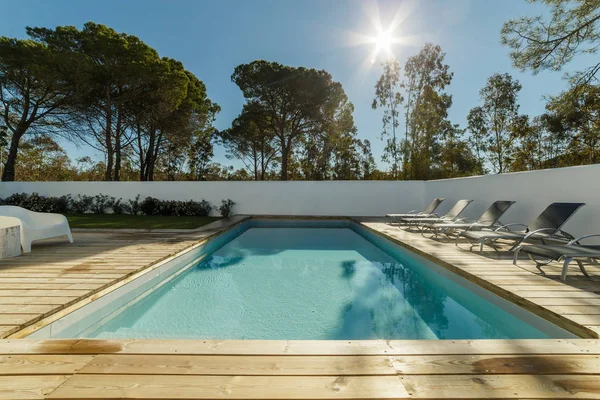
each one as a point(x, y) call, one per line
point(532, 191)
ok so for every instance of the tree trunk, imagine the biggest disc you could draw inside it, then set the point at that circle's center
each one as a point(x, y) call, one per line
point(285, 155)
point(118, 133)
point(108, 137)
point(8, 174)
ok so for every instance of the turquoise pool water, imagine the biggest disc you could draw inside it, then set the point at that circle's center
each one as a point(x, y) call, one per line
point(286, 280)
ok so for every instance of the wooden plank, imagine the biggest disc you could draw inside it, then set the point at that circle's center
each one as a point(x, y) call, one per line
point(42, 293)
point(239, 365)
point(26, 308)
point(234, 387)
point(590, 310)
point(29, 387)
point(42, 364)
point(584, 319)
point(37, 300)
point(16, 319)
point(502, 386)
point(300, 347)
point(6, 330)
point(497, 364)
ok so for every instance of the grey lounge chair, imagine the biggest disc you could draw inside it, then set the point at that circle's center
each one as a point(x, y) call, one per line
point(559, 252)
point(427, 211)
point(488, 219)
point(450, 216)
point(547, 226)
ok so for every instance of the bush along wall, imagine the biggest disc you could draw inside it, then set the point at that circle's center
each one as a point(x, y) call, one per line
point(103, 204)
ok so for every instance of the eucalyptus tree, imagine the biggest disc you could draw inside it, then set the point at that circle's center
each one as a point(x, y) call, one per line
point(495, 117)
point(549, 42)
point(298, 102)
point(426, 78)
point(388, 97)
point(35, 92)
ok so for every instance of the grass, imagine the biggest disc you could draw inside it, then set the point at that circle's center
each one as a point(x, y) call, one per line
point(111, 221)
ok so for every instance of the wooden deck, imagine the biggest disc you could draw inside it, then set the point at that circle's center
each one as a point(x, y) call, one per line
point(146, 369)
point(573, 304)
point(56, 277)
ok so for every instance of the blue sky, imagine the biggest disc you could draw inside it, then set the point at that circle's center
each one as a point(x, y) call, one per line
point(212, 37)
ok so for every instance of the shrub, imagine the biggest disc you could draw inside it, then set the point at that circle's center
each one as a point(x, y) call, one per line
point(226, 208)
point(134, 207)
point(150, 206)
point(117, 206)
point(100, 203)
point(35, 202)
point(82, 204)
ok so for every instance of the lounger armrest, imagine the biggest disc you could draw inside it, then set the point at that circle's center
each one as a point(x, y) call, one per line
point(507, 225)
point(466, 220)
point(577, 240)
point(554, 230)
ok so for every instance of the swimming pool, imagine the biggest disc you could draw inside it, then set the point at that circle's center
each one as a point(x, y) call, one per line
point(308, 279)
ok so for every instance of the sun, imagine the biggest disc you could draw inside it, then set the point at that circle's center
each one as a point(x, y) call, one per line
point(383, 41)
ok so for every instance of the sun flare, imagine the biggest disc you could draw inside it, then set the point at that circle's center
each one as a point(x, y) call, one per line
point(383, 41)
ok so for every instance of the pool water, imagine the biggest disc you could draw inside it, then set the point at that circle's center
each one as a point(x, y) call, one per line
point(318, 283)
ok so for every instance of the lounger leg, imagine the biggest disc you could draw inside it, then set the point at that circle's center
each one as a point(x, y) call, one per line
point(582, 268)
point(563, 275)
point(26, 247)
point(70, 236)
point(516, 255)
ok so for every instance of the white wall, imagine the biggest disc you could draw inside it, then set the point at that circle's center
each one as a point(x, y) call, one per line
point(532, 191)
point(350, 198)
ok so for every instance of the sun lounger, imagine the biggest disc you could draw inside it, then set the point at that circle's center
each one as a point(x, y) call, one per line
point(547, 226)
point(572, 251)
point(427, 211)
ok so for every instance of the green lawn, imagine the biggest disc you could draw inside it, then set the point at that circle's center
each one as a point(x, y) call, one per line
point(111, 221)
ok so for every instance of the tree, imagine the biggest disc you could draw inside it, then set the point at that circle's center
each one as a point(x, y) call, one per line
point(427, 106)
point(35, 92)
point(493, 121)
point(200, 154)
point(478, 129)
point(42, 159)
point(388, 97)
point(576, 114)
point(456, 157)
point(113, 73)
point(298, 102)
point(540, 43)
point(251, 140)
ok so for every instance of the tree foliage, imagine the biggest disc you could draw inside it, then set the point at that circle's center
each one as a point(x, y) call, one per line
point(539, 43)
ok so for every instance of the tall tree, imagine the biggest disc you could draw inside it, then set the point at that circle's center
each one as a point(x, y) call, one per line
point(549, 43)
point(298, 101)
point(427, 107)
point(251, 140)
point(35, 92)
point(114, 74)
point(496, 117)
point(388, 97)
